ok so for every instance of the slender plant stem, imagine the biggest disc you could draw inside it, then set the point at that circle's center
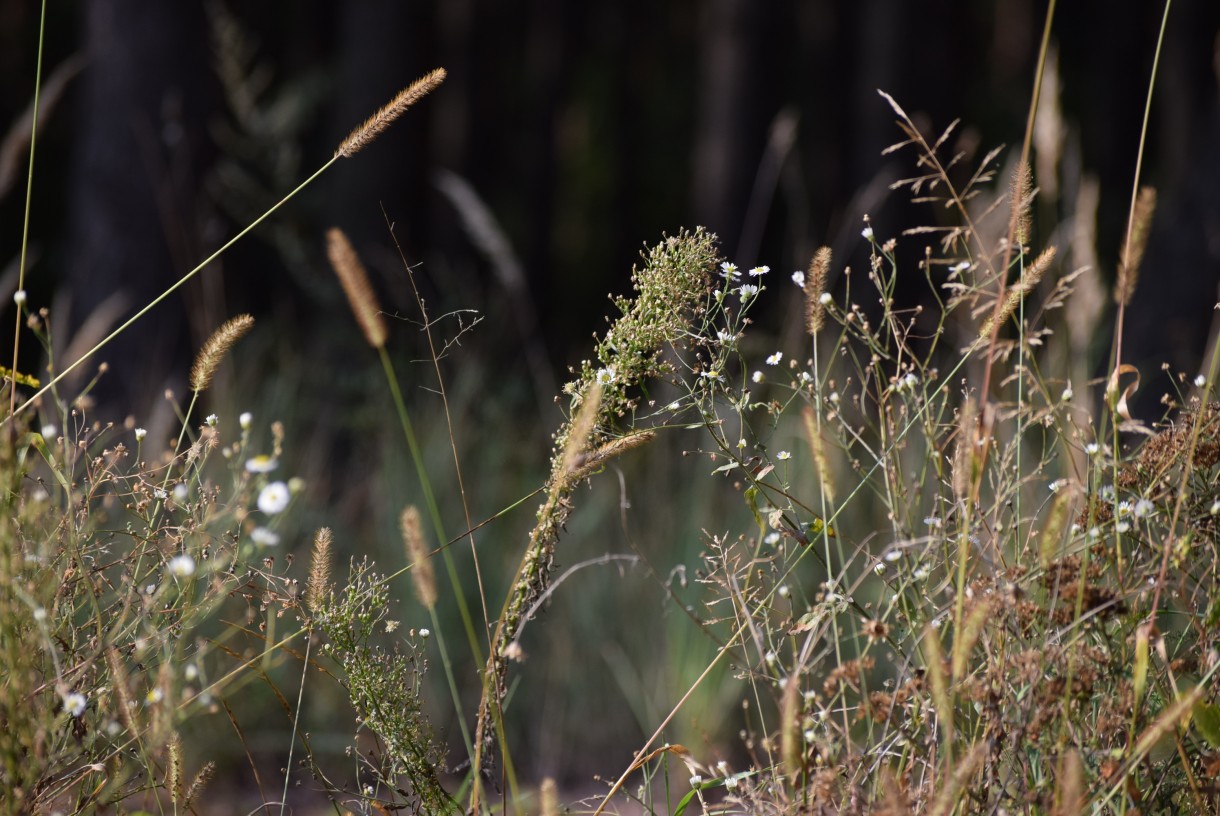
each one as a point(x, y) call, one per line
point(170, 290)
point(25, 219)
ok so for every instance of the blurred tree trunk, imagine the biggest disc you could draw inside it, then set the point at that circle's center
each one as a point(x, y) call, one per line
point(132, 222)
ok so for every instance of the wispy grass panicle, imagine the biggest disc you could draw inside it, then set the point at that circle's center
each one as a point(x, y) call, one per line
point(423, 577)
point(1133, 247)
point(376, 124)
point(356, 286)
point(815, 286)
point(319, 571)
point(215, 349)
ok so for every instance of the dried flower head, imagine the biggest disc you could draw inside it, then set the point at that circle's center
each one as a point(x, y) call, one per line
point(356, 286)
point(422, 575)
point(1133, 247)
point(319, 571)
point(382, 119)
point(815, 286)
point(215, 349)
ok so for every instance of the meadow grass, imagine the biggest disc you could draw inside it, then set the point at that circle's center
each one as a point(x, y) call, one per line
point(937, 566)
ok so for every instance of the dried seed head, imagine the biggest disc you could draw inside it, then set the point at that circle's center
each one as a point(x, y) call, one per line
point(200, 782)
point(422, 575)
point(1021, 199)
point(790, 737)
point(319, 571)
point(173, 774)
point(1029, 281)
point(588, 463)
point(356, 286)
point(549, 794)
point(382, 119)
point(1133, 248)
point(215, 349)
point(815, 285)
point(579, 430)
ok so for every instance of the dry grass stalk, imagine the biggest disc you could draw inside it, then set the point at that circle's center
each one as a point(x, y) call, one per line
point(319, 570)
point(382, 119)
point(815, 286)
point(215, 349)
point(964, 454)
point(1133, 249)
point(422, 575)
point(817, 447)
point(356, 286)
point(118, 675)
point(1029, 281)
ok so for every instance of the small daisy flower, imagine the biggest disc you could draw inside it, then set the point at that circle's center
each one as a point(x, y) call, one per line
point(910, 381)
point(1200, 381)
point(40, 614)
point(160, 494)
point(712, 374)
point(730, 783)
point(959, 267)
point(783, 455)
point(696, 780)
point(759, 271)
point(180, 492)
point(879, 568)
point(604, 376)
point(75, 703)
point(1067, 394)
point(211, 420)
point(19, 297)
point(190, 672)
point(741, 444)
point(747, 291)
point(933, 522)
point(770, 657)
point(264, 537)
point(825, 299)
point(783, 591)
point(154, 696)
point(798, 277)
point(775, 358)
point(893, 555)
point(140, 434)
point(425, 633)
point(274, 498)
point(181, 566)
point(757, 376)
point(261, 464)
point(48, 431)
point(1215, 508)
point(245, 420)
point(729, 271)
point(1092, 449)
point(867, 233)
point(771, 539)
point(1143, 508)
point(806, 377)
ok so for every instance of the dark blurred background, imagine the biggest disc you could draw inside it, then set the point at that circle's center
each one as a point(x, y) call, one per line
point(583, 130)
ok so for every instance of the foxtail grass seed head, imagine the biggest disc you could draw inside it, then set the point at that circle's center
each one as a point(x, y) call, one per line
point(1022, 199)
point(579, 431)
point(382, 119)
point(790, 737)
point(356, 286)
point(173, 774)
point(199, 783)
point(1133, 248)
point(215, 349)
point(319, 571)
point(422, 575)
point(589, 463)
point(549, 794)
point(1029, 281)
point(815, 286)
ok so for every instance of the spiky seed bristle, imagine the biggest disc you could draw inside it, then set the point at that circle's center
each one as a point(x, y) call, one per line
point(382, 119)
point(815, 285)
point(422, 576)
point(356, 286)
point(215, 349)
